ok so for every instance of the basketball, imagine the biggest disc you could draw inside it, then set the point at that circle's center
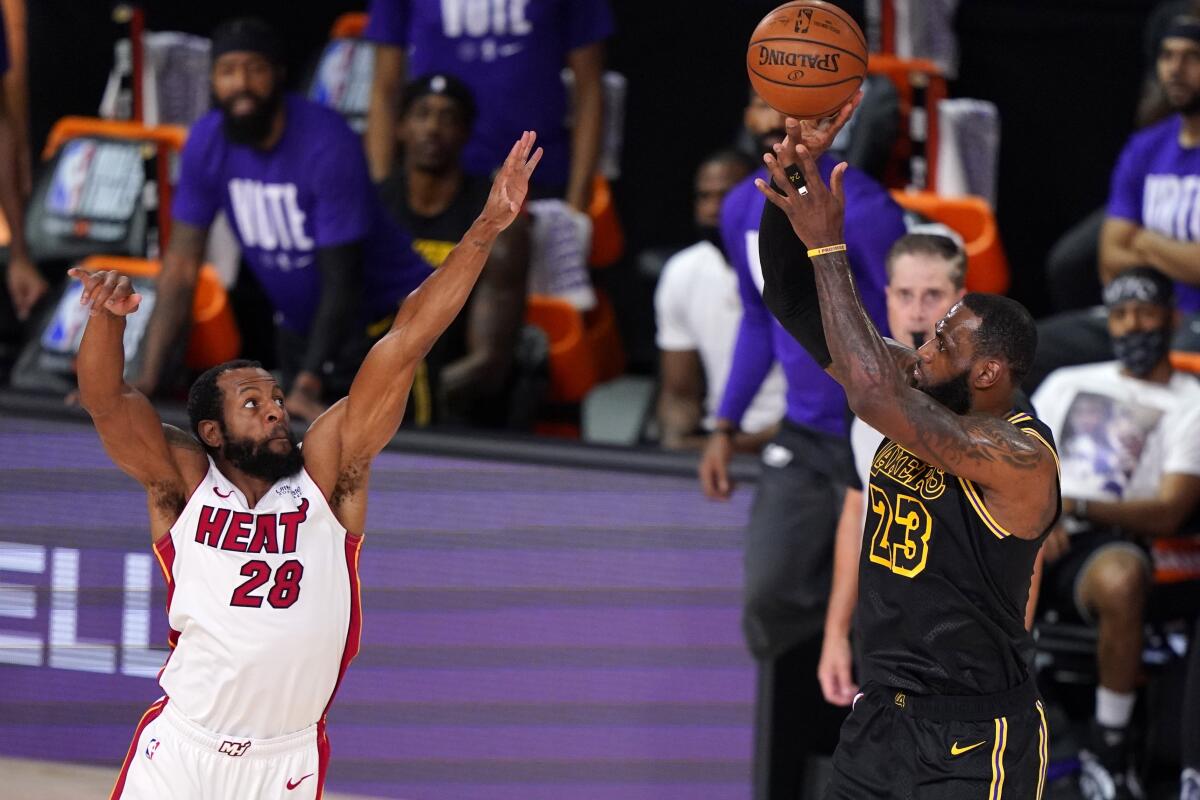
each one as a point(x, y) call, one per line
point(806, 59)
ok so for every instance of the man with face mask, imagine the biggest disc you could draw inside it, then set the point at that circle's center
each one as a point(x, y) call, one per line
point(697, 310)
point(1130, 436)
point(292, 179)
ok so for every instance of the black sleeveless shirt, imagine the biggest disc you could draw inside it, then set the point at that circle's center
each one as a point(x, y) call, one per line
point(942, 585)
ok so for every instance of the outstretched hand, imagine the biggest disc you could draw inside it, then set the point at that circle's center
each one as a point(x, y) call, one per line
point(106, 290)
point(512, 182)
point(816, 211)
point(818, 135)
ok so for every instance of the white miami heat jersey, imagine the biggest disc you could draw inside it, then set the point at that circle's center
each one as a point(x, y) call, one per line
point(263, 606)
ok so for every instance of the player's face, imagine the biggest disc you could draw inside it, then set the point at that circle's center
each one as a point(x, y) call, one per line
point(257, 437)
point(245, 86)
point(433, 133)
point(919, 293)
point(944, 365)
point(1136, 316)
point(713, 182)
point(1179, 73)
point(764, 123)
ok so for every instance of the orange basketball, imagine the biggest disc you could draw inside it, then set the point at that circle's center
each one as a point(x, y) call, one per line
point(807, 58)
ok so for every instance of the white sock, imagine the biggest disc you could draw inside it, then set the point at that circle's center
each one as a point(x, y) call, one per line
point(1114, 709)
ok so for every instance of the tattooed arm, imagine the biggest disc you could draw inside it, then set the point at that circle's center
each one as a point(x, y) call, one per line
point(1014, 469)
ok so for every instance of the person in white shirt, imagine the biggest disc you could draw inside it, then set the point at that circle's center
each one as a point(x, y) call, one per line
point(926, 269)
point(1129, 435)
point(698, 310)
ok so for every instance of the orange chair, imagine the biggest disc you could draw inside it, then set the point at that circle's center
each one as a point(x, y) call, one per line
point(573, 368)
point(214, 337)
point(1185, 361)
point(608, 240)
point(585, 349)
point(910, 75)
point(972, 218)
point(169, 139)
point(351, 25)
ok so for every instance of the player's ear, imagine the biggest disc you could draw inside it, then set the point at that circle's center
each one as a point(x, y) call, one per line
point(210, 433)
point(989, 371)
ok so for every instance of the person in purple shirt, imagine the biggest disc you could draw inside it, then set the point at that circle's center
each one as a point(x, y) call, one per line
point(291, 177)
point(1152, 219)
point(807, 466)
point(511, 53)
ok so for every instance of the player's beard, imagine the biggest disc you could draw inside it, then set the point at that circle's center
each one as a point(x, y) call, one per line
point(252, 128)
point(768, 140)
point(954, 393)
point(259, 460)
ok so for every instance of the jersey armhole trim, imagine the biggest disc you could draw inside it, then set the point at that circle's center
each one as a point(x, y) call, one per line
point(976, 501)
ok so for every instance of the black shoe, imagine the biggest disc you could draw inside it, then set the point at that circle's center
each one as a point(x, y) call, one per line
point(1105, 769)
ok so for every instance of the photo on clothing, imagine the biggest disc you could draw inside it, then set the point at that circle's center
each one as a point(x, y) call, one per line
point(1104, 440)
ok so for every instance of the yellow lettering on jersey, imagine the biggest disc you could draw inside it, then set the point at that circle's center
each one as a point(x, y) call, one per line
point(900, 541)
point(433, 251)
point(908, 470)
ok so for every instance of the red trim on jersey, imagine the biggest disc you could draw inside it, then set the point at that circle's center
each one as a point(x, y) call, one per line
point(354, 630)
point(151, 714)
point(164, 551)
point(322, 757)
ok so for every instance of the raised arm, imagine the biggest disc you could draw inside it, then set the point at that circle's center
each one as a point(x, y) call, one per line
point(387, 82)
point(342, 442)
point(986, 450)
point(164, 460)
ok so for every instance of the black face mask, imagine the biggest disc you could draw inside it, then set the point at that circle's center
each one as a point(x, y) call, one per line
point(1141, 351)
point(954, 394)
point(253, 128)
point(259, 460)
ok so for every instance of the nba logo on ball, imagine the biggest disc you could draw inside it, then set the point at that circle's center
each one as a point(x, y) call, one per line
point(806, 59)
point(151, 747)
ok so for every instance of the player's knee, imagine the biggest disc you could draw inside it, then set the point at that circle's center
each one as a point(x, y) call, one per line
point(1118, 583)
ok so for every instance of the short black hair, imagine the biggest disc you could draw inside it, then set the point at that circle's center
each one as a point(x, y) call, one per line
point(444, 85)
point(1006, 329)
point(729, 155)
point(205, 398)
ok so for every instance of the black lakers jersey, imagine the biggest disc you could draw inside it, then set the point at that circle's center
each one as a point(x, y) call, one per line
point(942, 585)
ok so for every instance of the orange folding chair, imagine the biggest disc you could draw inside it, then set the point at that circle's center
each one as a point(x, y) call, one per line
point(921, 86)
point(168, 139)
point(972, 218)
point(214, 335)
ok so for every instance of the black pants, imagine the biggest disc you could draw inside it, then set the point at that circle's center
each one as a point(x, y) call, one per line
point(1191, 706)
point(929, 748)
point(789, 567)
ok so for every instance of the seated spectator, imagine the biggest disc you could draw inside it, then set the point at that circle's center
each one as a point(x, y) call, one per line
point(291, 177)
point(925, 272)
point(467, 374)
point(1071, 273)
point(698, 311)
point(1129, 438)
point(511, 54)
point(1153, 214)
point(24, 284)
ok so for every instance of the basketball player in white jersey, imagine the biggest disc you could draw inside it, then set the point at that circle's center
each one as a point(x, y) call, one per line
point(259, 539)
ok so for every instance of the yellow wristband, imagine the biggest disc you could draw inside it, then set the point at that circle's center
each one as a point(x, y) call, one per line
point(820, 251)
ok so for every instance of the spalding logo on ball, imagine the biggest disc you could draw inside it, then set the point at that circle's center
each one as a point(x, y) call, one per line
point(806, 59)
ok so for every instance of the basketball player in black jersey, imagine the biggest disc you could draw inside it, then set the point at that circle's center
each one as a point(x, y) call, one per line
point(963, 490)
